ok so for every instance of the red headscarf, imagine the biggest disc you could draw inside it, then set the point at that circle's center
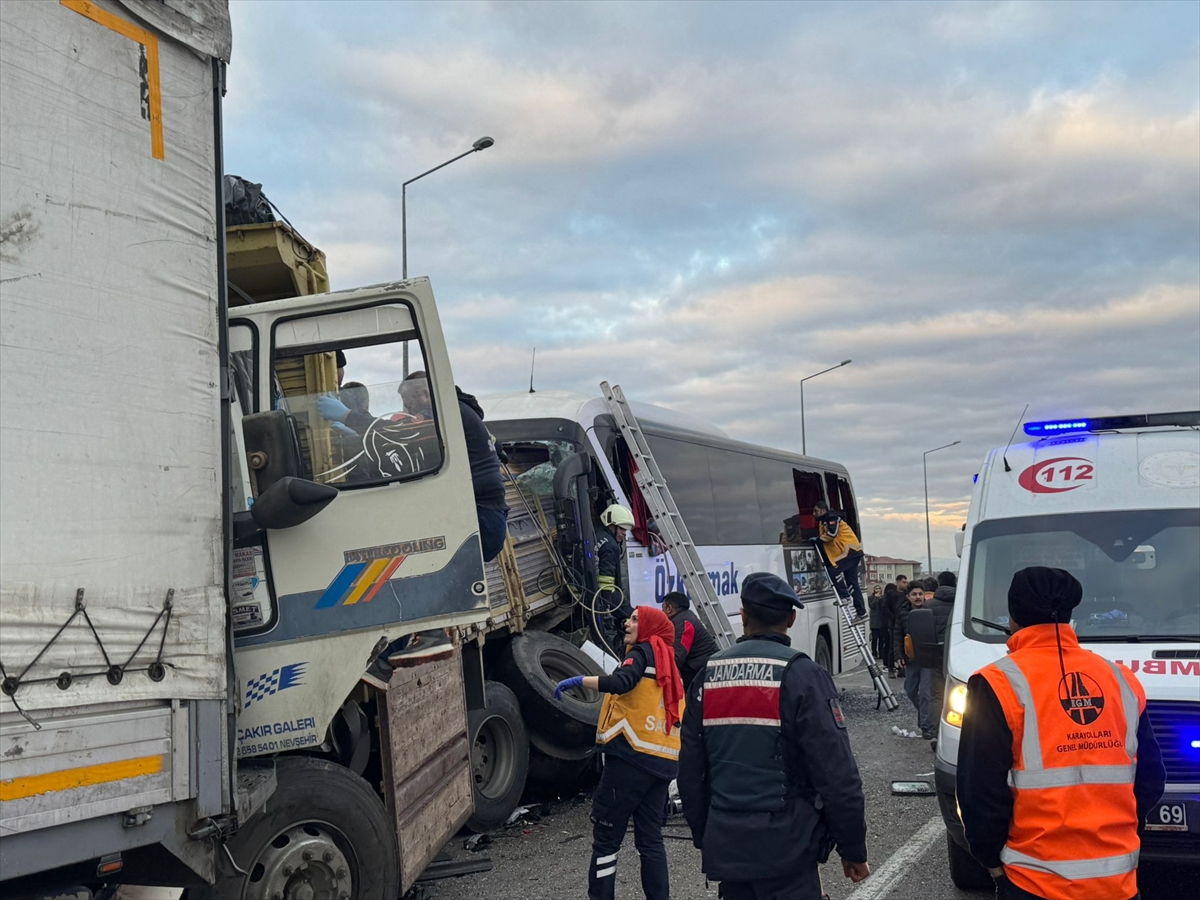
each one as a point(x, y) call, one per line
point(655, 629)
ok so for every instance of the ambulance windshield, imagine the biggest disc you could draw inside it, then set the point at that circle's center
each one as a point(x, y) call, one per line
point(1140, 571)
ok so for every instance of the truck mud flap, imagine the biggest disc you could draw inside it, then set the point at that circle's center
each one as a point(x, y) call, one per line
point(426, 760)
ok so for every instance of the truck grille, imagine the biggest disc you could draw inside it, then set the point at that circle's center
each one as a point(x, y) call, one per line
point(1177, 725)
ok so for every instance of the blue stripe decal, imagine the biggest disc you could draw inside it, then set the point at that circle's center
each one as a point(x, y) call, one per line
point(401, 600)
point(337, 591)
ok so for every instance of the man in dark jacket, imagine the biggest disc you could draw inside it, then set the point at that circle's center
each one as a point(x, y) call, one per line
point(612, 605)
point(887, 611)
point(942, 606)
point(1007, 790)
point(486, 480)
point(693, 644)
point(765, 819)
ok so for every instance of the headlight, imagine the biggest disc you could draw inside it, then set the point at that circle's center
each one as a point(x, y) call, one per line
point(956, 703)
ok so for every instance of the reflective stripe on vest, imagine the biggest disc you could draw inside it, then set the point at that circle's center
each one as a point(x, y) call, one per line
point(1035, 774)
point(1074, 869)
point(638, 717)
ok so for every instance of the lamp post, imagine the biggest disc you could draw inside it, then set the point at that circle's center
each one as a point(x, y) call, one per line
point(482, 144)
point(803, 441)
point(925, 466)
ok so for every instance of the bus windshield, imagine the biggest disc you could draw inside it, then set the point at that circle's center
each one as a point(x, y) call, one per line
point(1139, 570)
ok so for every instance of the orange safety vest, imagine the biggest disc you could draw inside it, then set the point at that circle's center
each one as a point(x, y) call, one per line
point(639, 717)
point(1073, 834)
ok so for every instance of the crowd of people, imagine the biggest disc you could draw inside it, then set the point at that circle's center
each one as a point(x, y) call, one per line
point(892, 645)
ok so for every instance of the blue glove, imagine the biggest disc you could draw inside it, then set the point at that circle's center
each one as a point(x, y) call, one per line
point(343, 429)
point(331, 408)
point(573, 682)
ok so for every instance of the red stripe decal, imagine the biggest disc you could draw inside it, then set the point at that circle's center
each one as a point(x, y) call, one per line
point(741, 702)
point(383, 578)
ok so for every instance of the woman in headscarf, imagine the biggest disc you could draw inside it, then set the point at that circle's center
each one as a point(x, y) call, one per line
point(639, 734)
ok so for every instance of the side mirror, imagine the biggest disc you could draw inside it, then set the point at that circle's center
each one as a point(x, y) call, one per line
point(958, 543)
point(290, 502)
point(272, 449)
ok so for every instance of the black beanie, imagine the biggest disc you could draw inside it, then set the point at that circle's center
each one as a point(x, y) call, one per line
point(1037, 592)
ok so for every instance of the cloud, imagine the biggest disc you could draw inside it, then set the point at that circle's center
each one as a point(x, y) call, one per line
point(999, 203)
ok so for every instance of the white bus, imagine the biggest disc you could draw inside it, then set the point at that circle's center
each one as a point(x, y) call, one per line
point(748, 508)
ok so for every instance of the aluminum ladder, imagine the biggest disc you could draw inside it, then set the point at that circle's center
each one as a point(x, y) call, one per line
point(671, 527)
point(845, 603)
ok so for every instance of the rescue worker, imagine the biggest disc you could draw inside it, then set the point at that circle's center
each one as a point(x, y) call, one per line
point(1058, 765)
point(767, 779)
point(612, 606)
point(843, 548)
point(638, 732)
point(693, 644)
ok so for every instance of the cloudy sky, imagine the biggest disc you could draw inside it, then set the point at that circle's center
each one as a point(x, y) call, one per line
point(982, 204)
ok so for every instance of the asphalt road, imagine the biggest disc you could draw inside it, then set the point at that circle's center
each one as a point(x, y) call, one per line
point(546, 856)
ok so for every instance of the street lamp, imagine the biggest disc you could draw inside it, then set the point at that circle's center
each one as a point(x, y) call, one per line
point(482, 144)
point(803, 442)
point(925, 466)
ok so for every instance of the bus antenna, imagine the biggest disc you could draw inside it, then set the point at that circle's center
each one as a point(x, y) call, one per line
point(1004, 455)
point(532, 363)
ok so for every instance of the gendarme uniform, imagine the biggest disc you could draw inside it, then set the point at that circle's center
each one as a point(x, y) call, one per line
point(767, 778)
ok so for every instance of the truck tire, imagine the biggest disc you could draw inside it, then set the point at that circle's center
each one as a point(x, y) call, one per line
point(823, 654)
point(499, 757)
point(965, 870)
point(324, 827)
point(532, 664)
point(561, 774)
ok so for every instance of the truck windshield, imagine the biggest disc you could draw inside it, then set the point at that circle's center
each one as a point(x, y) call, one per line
point(1140, 571)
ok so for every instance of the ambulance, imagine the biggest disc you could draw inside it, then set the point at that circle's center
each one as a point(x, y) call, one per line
point(1116, 502)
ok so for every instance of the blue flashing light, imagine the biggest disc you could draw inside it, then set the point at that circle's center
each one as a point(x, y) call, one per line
point(1059, 426)
point(1196, 745)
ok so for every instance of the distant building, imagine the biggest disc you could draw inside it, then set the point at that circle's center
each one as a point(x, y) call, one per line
point(882, 569)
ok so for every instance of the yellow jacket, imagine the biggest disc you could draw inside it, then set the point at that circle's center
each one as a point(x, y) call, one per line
point(840, 541)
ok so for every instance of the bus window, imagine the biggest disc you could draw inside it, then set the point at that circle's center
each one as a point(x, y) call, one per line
point(776, 498)
point(831, 490)
point(685, 467)
point(845, 502)
point(808, 492)
point(735, 498)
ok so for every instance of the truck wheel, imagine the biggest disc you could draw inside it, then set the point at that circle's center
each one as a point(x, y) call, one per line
point(499, 757)
point(823, 655)
point(965, 870)
point(562, 774)
point(532, 664)
point(323, 833)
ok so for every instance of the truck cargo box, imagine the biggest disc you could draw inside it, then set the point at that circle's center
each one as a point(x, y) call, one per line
point(110, 382)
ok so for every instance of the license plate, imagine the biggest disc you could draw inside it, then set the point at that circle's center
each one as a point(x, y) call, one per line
point(1167, 817)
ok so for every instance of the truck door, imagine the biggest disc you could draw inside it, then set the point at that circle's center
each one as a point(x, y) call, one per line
point(398, 550)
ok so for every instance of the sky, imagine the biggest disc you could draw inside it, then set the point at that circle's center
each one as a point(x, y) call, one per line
point(984, 205)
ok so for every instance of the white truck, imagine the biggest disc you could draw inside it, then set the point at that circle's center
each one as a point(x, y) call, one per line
point(197, 567)
point(1115, 501)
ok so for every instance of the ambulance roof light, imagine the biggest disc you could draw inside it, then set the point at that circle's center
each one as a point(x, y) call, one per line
point(1111, 423)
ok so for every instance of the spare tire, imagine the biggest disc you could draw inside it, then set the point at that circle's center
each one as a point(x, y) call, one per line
point(499, 757)
point(532, 664)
